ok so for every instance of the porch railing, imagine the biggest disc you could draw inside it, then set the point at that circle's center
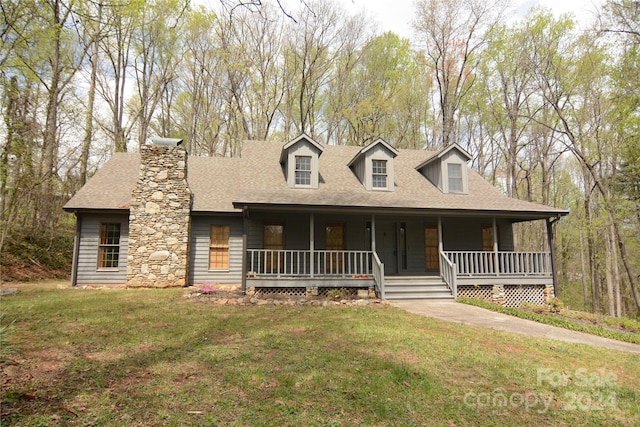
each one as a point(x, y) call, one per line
point(448, 272)
point(378, 275)
point(290, 263)
point(484, 263)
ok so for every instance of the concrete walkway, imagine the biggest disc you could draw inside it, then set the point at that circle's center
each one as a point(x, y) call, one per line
point(476, 316)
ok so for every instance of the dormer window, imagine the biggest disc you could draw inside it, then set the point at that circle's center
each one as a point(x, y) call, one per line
point(373, 165)
point(447, 169)
point(379, 177)
point(303, 170)
point(300, 161)
point(454, 172)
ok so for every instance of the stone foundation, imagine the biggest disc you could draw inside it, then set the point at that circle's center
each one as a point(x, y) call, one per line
point(548, 293)
point(498, 295)
point(159, 220)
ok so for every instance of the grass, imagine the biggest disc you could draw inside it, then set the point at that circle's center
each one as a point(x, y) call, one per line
point(151, 357)
point(626, 329)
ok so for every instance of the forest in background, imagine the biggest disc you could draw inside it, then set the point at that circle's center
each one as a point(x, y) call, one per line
point(548, 108)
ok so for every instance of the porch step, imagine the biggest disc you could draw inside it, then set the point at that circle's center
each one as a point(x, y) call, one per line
point(415, 287)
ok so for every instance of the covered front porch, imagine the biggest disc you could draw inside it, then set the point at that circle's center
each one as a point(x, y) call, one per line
point(355, 250)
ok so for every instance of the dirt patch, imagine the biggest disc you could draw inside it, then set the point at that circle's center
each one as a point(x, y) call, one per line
point(19, 271)
point(41, 365)
point(25, 382)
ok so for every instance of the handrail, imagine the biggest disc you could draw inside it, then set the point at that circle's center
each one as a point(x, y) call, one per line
point(285, 262)
point(378, 275)
point(448, 272)
point(486, 263)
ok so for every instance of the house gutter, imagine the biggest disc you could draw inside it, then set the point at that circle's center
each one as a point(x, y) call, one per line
point(524, 215)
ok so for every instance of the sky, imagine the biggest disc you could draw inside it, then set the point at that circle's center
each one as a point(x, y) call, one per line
point(396, 15)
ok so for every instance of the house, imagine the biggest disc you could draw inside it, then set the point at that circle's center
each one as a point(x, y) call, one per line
point(303, 216)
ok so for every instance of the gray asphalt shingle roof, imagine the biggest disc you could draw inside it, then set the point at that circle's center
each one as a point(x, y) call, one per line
point(257, 178)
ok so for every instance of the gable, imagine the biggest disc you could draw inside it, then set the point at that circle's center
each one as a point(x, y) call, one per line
point(300, 158)
point(448, 170)
point(373, 166)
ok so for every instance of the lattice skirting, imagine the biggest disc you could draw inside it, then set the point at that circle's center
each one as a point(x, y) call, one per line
point(477, 292)
point(301, 291)
point(514, 295)
point(298, 291)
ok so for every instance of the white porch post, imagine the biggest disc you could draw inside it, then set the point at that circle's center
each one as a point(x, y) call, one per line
point(496, 261)
point(311, 243)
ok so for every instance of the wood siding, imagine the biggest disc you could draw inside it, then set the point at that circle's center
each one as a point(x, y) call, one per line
point(433, 172)
point(87, 263)
point(459, 234)
point(465, 234)
point(360, 170)
point(199, 271)
point(505, 236)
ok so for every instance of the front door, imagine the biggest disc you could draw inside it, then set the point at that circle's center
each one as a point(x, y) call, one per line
point(431, 248)
point(487, 238)
point(386, 246)
point(334, 241)
point(273, 240)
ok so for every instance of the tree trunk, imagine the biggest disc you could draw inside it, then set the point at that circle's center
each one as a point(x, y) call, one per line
point(583, 271)
point(625, 261)
point(593, 264)
point(609, 273)
point(88, 130)
point(616, 274)
point(50, 138)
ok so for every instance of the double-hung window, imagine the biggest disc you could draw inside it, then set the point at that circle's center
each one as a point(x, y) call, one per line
point(109, 245)
point(303, 170)
point(219, 247)
point(454, 171)
point(379, 176)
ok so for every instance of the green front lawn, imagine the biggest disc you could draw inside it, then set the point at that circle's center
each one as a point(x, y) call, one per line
point(153, 357)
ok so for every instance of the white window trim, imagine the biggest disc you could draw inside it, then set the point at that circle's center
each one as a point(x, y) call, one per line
point(296, 170)
point(463, 178)
point(386, 175)
point(109, 245)
point(228, 267)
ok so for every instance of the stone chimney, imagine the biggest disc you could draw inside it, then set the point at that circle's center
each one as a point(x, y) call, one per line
point(159, 219)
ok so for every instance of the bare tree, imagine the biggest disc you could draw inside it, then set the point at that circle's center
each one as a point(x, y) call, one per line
point(452, 33)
